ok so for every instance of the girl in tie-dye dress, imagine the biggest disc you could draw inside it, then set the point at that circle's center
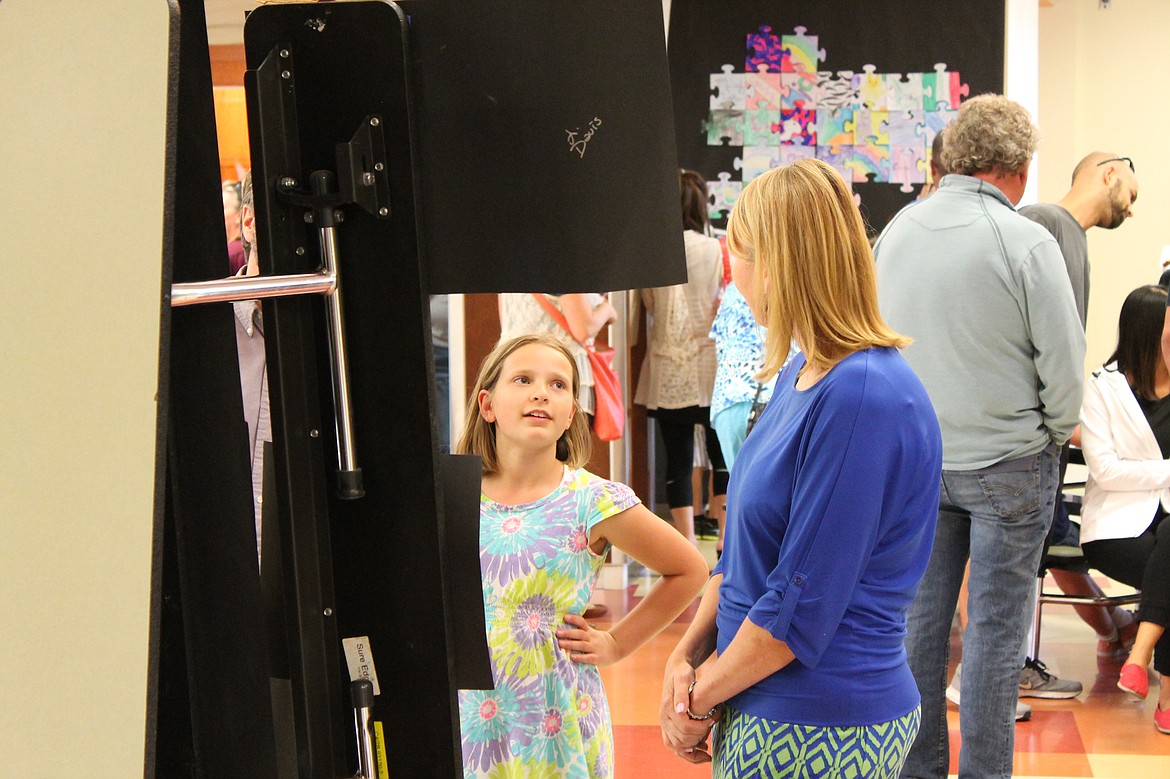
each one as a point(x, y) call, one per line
point(545, 527)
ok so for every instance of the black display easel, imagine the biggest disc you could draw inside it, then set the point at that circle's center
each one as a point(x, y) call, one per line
point(374, 535)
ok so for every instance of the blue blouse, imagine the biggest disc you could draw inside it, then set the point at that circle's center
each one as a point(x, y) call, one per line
point(740, 353)
point(831, 513)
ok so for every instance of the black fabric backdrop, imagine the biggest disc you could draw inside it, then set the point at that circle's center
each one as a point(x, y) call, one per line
point(908, 36)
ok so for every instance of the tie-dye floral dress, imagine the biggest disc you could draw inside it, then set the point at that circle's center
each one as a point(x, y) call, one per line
point(547, 716)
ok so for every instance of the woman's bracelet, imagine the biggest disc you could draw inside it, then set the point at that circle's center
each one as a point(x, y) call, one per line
point(691, 714)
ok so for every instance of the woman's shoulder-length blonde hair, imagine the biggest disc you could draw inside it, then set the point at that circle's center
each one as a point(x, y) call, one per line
point(479, 435)
point(798, 228)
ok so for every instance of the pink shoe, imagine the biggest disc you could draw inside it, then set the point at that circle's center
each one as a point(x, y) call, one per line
point(1134, 680)
point(1162, 720)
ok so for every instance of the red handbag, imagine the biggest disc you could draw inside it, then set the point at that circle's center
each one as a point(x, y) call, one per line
point(609, 410)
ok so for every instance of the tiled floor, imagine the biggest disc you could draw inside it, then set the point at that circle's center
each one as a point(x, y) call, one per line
point(1102, 733)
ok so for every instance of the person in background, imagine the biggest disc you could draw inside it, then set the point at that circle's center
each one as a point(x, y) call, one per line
point(1000, 348)
point(678, 373)
point(1125, 434)
point(546, 525)
point(831, 512)
point(441, 350)
point(232, 215)
point(586, 313)
point(249, 322)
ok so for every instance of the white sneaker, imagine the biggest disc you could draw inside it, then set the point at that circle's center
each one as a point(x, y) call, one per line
point(1023, 710)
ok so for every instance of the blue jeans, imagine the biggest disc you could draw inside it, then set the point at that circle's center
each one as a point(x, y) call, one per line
point(999, 517)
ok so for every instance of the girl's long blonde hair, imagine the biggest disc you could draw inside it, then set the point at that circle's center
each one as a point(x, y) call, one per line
point(812, 266)
point(479, 435)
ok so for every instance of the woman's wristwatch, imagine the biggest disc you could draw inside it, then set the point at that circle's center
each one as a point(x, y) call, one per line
point(691, 714)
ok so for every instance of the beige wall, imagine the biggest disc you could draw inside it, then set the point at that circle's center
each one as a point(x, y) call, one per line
point(1099, 77)
point(82, 128)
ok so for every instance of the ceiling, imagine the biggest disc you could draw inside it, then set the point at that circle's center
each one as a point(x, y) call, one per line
point(225, 20)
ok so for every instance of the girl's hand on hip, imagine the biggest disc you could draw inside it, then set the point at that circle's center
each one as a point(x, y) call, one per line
point(586, 644)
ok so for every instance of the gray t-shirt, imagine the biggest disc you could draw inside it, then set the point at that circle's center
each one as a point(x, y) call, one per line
point(1074, 245)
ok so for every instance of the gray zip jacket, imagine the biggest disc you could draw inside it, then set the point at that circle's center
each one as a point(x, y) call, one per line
point(998, 343)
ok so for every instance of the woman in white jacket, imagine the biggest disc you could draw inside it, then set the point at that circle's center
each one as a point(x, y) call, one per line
point(1125, 434)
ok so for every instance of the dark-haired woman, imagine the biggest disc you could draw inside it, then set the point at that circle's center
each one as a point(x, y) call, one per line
point(1125, 434)
point(678, 373)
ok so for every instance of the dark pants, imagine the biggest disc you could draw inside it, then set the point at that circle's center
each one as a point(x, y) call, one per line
point(678, 435)
point(1144, 563)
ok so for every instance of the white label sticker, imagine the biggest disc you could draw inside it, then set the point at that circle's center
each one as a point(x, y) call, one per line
point(360, 659)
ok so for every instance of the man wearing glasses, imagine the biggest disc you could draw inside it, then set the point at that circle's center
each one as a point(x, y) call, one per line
point(1104, 188)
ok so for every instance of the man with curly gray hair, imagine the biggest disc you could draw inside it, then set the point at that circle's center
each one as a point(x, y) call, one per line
point(998, 344)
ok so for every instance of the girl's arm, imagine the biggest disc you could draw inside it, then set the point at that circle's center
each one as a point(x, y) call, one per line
point(658, 546)
point(585, 322)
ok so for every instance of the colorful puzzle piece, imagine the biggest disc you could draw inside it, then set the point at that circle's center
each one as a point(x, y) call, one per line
point(725, 125)
point(724, 193)
point(757, 127)
point(802, 51)
point(839, 160)
point(728, 90)
point(835, 90)
point(870, 89)
point(904, 94)
point(764, 48)
point(905, 127)
point(797, 90)
point(872, 126)
point(757, 160)
point(870, 163)
point(835, 128)
point(798, 126)
point(908, 166)
point(763, 89)
point(790, 154)
point(942, 89)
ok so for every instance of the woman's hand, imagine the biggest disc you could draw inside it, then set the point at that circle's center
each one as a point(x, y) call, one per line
point(586, 644)
point(687, 737)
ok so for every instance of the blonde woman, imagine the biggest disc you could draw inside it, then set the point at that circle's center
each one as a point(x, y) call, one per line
point(831, 511)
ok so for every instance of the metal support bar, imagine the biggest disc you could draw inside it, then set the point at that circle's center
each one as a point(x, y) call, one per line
point(362, 693)
point(252, 288)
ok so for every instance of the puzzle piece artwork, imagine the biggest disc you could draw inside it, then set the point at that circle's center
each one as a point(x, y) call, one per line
point(757, 127)
point(835, 90)
point(942, 89)
point(838, 160)
point(935, 121)
point(728, 90)
point(797, 90)
point(904, 94)
point(908, 166)
point(871, 127)
point(764, 90)
point(802, 51)
point(905, 127)
point(835, 128)
point(870, 163)
point(798, 127)
point(790, 154)
point(727, 125)
point(871, 89)
point(724, 193)
point(764, 48)
point(759, 159)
